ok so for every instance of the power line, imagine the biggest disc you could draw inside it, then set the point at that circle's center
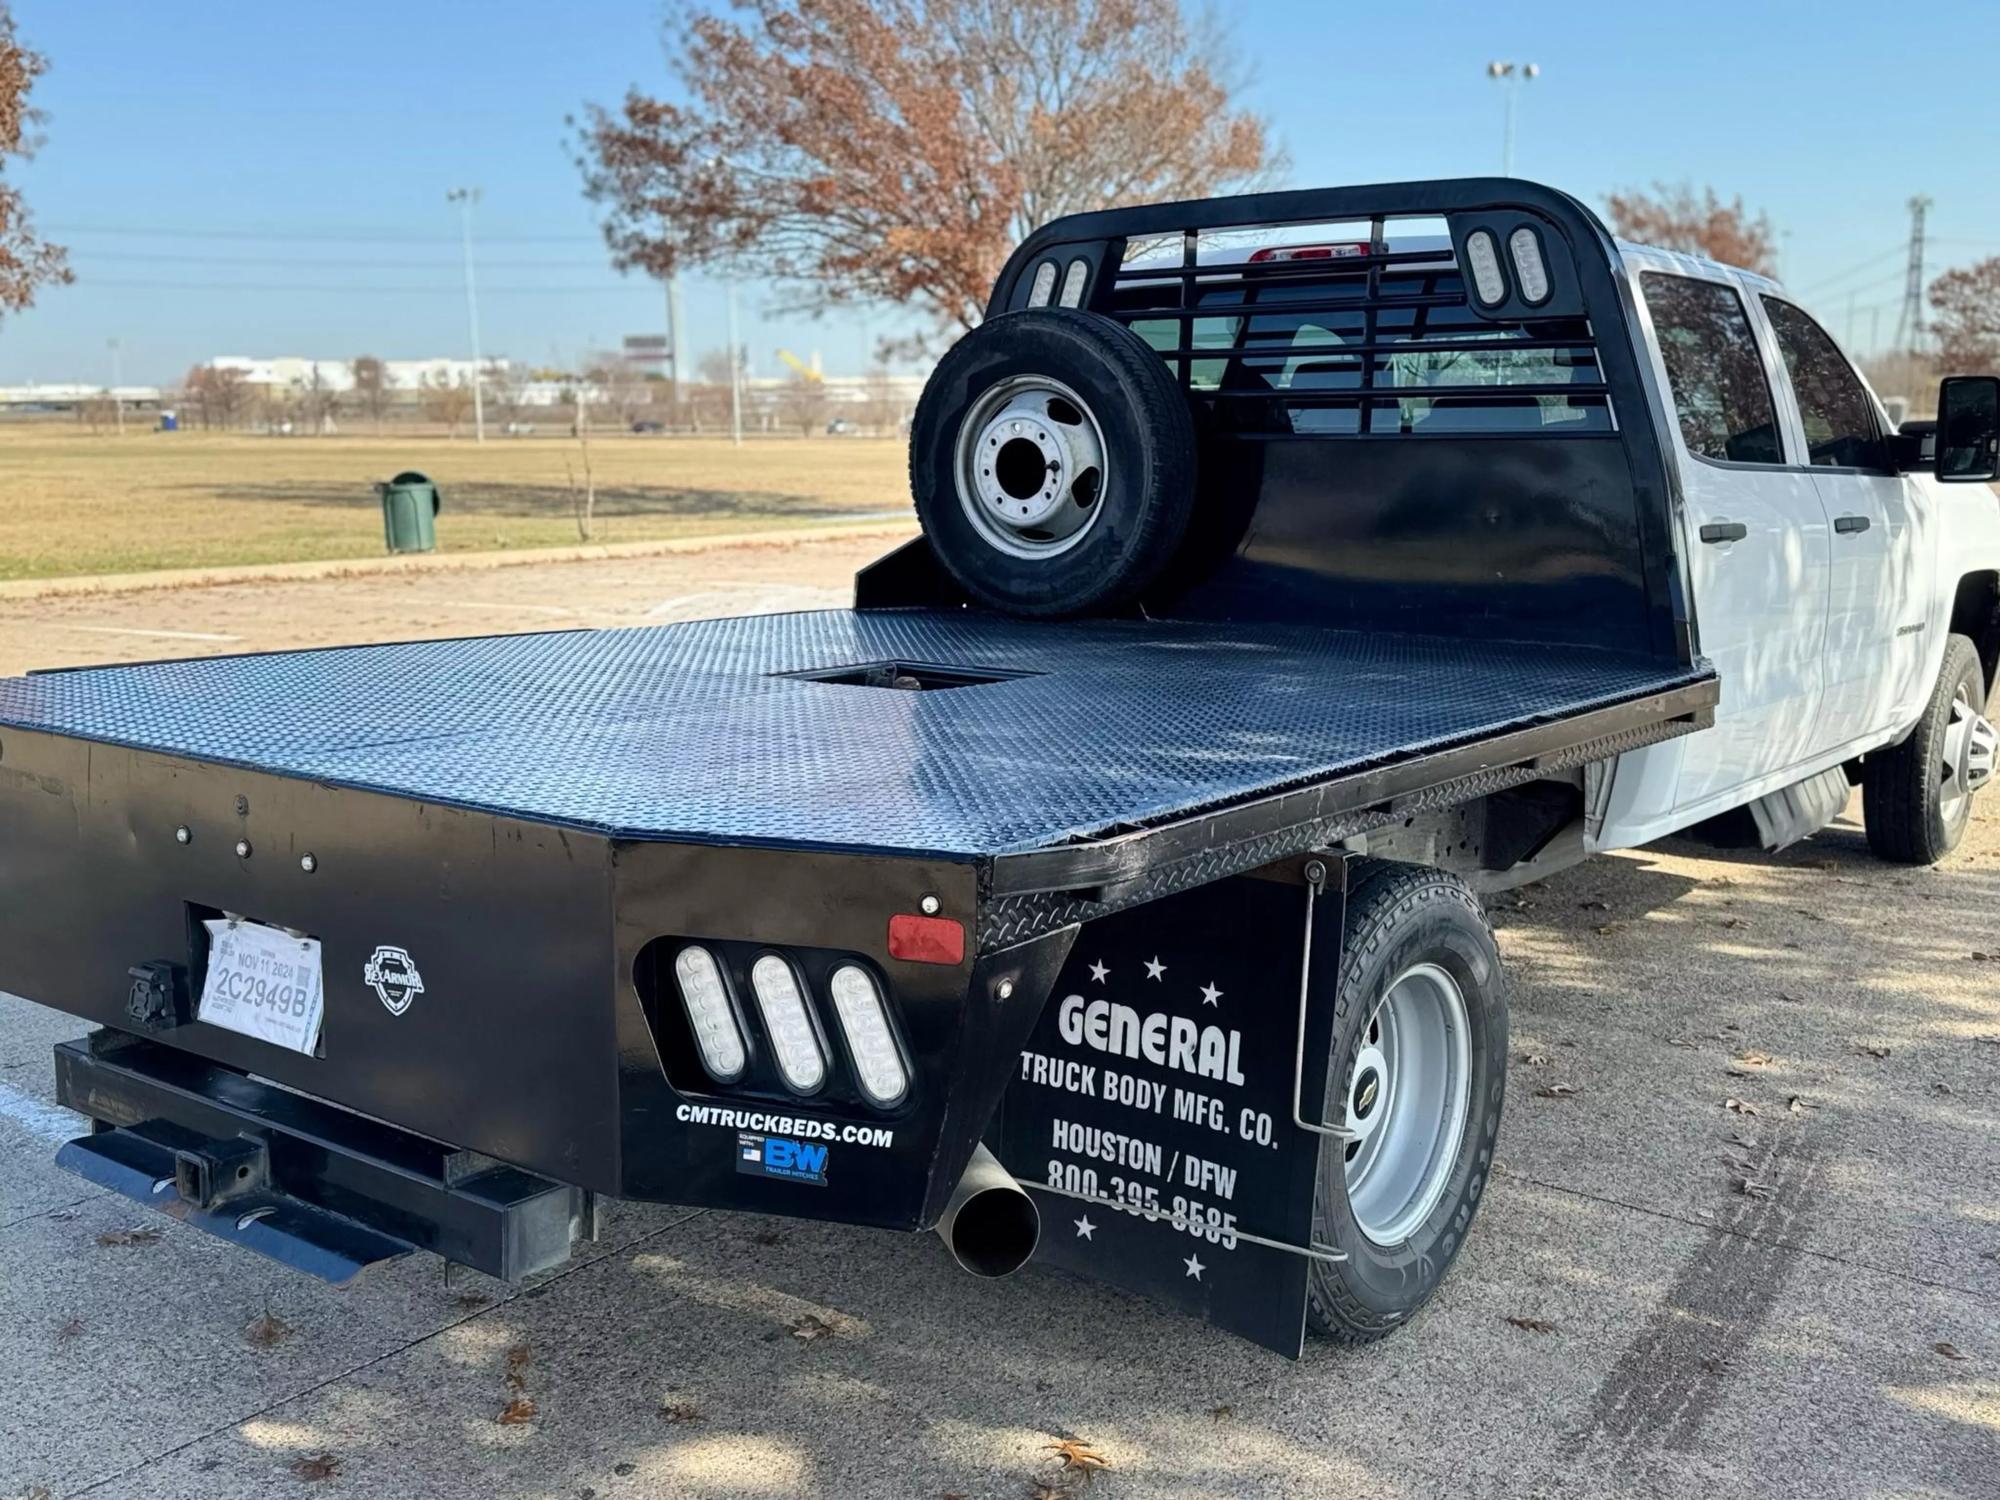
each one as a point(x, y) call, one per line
point(442, 289)
point(347, 263)
point(345, 235)
point(1853, 270)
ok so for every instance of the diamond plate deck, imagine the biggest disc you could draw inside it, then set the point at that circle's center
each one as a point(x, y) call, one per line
point(691, 731)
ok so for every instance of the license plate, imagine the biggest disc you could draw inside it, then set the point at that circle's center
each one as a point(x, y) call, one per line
point(263, 982)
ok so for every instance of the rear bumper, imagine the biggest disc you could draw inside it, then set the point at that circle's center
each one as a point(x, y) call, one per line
point(318, 1188)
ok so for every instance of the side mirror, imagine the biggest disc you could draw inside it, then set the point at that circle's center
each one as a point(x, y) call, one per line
point(1968, 429)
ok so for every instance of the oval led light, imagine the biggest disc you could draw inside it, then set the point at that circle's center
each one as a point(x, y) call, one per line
point(783, 1006)
point(706, 997)
point(1073, 279)
point(1529, 271)
point(1482, 257)
point(1044, 286)
point(864, 1021)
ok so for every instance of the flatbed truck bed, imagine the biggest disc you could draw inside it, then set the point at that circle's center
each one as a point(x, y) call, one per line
point(1007, 739)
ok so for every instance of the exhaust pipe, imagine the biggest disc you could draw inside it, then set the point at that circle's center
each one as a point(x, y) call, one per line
point(991, 1225)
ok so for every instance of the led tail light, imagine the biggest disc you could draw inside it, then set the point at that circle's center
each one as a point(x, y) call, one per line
point(794, 1041)
point(706, 997)
point(1482, 258)
point(864, 1021)
point(1529, 270)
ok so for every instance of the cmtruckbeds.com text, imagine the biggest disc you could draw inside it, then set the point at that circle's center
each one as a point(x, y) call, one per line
point(811, 1130)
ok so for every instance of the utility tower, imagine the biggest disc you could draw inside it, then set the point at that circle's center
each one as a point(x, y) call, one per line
point(1910, 321)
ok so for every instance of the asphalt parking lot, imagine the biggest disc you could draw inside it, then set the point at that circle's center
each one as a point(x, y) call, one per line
point(1744, 1238)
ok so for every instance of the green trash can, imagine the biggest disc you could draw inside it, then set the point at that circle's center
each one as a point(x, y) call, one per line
point(410, 503)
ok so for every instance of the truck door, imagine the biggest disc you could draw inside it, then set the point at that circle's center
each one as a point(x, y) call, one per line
point(1876, 647)
point(1757, 537)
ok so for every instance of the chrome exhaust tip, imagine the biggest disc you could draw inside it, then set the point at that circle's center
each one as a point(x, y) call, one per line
point(990, 1223)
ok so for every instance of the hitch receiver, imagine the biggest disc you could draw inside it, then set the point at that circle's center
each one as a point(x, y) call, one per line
point(297, 1179)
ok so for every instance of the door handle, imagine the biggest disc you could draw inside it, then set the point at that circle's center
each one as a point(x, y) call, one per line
point(1725, 531)
point(1849, 525)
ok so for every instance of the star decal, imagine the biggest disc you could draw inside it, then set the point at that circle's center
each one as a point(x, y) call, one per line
point(1194, 1267)
point(1154, 968)
point(1210, 994)
point(1098, 971)
point(1085, 1229)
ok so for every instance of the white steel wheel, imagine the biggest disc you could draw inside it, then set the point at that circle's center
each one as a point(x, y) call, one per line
point(1966, 764)
point(1030, 467)
point(1407, 1104)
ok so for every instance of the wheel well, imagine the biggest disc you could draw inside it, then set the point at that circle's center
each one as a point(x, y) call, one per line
point(1975, 612)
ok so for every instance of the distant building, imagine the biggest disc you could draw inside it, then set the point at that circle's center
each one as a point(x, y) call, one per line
point(293, 372)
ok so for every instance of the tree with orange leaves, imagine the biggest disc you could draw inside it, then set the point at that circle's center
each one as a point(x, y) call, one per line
point(1676, 218)
point(27, 262)
point(892, 151)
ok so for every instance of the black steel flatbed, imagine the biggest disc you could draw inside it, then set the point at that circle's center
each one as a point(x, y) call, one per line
point(1088, 737)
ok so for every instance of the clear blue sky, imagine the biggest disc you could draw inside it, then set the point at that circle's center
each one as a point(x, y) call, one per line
point(176, 133)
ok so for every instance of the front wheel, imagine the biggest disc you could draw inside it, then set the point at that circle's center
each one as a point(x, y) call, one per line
point(1916, 797)
point(1420, 1047)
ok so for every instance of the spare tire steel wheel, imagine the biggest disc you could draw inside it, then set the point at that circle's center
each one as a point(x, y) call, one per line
point(1053, 462)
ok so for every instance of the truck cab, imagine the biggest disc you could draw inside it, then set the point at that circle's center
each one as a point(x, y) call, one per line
point(1828, 565)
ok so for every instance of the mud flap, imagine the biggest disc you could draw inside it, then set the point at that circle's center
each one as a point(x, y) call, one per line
point(1152, 1115)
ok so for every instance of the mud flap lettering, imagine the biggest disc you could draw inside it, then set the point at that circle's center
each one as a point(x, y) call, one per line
point(1158, 1083)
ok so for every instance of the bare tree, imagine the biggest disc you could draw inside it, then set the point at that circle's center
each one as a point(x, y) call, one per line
point(1677, 218)
point(27, 262)
point(880, 408)
point(1967, 303)
point(803, 403)
point(446, 400)
point(708, 401)
point(319, 403)
point(371, 387)
point(219, 393)
point(582, 498)
point(891, 151)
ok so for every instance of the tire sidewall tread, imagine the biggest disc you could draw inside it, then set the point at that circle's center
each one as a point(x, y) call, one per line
point(1399, 915)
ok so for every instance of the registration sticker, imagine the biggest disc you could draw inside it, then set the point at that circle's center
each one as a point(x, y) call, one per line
point(263, 982)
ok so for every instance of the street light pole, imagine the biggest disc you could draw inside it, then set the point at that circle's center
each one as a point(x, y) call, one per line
point(1510, 77)
point(465, 198)
point(117, 384)
point(735, 372)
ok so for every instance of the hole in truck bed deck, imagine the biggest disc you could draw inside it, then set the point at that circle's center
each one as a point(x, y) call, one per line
point(907, 676)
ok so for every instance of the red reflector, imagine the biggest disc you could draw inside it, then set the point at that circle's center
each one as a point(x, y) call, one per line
point(927, 940)
point(1306, 252)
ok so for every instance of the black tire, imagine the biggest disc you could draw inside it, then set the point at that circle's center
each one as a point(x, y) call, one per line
point(1400, 916)
point(1147, 478)
point(1901, 787)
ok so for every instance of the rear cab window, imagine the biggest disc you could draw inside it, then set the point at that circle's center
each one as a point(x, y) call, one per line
point(1332, 352)
point(1715, 373)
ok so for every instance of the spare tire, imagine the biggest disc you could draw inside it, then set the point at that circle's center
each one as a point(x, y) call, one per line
point(1053, 463)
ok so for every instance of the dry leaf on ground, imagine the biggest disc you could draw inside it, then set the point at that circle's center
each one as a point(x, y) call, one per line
point(812, 1326)
point(1867, 1049)
point(1949, 1351)
point(1739, 1106)
point(115, 1238)
point(1557, 1091)
point(266, 1331)
point(315, 1467)
point(518, 1412)
point(1074, 1453)
point(678, 1412)
point(1531, 1325)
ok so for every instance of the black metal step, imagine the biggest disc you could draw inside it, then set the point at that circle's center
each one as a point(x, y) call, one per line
point(304, 1182)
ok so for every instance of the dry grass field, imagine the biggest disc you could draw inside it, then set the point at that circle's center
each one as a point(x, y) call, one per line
point(73, 502)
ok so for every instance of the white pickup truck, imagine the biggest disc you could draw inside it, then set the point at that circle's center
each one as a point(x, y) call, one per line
point(1294, 567)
